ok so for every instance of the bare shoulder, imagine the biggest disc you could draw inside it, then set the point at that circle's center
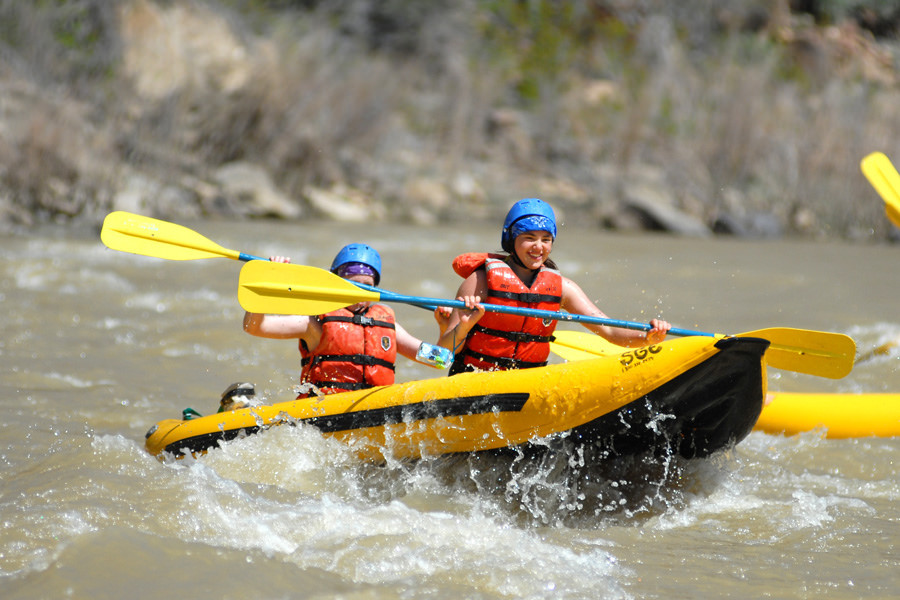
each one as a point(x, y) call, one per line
point(474, 285)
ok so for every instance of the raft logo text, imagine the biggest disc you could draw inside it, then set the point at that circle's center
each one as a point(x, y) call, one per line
point(633, 358)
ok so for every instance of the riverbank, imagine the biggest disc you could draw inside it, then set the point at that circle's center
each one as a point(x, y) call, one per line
point(748, 120)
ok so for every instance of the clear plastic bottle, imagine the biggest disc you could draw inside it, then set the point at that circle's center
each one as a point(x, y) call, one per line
point(434, 355)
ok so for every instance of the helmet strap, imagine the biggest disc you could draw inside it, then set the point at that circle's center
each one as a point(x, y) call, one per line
point(518, 261)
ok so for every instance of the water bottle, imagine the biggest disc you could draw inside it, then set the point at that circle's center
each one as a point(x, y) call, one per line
point(434, 355)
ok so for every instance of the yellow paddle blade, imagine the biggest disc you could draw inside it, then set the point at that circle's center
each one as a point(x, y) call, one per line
point(893, 213)
point(830, 355)
point(884, 178)
point(817, 353)
point(151, 237)
point(285, 289)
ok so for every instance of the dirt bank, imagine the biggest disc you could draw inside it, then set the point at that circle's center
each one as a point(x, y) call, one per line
point(749, 119)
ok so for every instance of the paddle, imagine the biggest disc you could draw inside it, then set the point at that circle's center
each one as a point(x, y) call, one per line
point(817, 353)
point(151, 237)
point(267, 287)
point(884, 178)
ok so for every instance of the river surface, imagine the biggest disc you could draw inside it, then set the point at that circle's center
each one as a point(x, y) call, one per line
point(98, 345)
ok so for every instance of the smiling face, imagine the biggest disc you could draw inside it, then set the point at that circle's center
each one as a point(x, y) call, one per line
point(533, 248)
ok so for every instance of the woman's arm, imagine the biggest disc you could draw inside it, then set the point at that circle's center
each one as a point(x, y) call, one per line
point(277, 327)
point(280, 327)
point(575, 301)
point(455, 329)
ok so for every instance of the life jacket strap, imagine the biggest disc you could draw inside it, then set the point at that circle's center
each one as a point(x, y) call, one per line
point(357, 359)
point(503, 362)
point(526, 297)
point(514, 336)
point(358, 320)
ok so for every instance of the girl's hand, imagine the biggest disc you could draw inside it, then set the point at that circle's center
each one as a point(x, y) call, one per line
point(658, 331)
point(442, 316)
point(473, 311)
point(280, 259)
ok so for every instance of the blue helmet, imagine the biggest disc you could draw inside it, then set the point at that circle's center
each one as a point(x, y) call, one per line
point(360, 254)
point(530, 214)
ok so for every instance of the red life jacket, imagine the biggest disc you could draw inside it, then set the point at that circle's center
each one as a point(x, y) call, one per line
point(356, 351)
point(501, 341)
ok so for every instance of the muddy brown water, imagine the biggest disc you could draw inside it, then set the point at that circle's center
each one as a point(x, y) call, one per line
point(98, 345)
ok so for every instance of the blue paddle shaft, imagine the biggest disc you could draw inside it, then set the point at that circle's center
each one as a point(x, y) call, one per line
point(525, 312)
point(249, 257)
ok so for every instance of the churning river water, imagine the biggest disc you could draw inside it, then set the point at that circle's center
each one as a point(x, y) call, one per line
point(98, 345)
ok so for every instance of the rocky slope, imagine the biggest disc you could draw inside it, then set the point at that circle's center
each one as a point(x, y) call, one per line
point(190, 109)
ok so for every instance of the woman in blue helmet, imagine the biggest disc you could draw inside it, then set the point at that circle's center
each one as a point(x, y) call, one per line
point(349, 348)
point(524, 276)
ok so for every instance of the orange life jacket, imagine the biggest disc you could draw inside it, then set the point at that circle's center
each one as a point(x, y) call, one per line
point(356, 351)
point(502, 341)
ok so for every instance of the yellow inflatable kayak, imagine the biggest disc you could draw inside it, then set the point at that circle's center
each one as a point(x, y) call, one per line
point(838, 415)
point(692, 396)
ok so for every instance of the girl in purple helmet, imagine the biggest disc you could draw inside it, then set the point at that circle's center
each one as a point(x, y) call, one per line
point(524, 276)
point(350, 348)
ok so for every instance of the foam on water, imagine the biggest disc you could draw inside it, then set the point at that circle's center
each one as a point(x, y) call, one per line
point(101, 344)
point(321, 512)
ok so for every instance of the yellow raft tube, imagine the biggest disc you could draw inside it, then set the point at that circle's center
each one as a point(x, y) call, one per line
point(691, 396)
point(837, 415)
